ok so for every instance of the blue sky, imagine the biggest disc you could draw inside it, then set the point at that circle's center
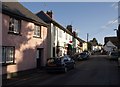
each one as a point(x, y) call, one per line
point(99, 19)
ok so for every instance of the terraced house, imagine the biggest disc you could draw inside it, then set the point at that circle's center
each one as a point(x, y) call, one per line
point(24, 39)
point(57, 35)
point(60, 39)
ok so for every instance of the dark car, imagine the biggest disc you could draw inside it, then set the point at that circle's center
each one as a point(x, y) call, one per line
point(87, 52)
point(63, 64)
point(75, 56)
point(83, 56)
point(113, 55)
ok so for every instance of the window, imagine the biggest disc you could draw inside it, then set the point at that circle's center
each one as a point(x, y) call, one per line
point(8, 54)
point(54, 30)
point(70, 37)
point(59, 33)
point(37, 31)
point(14, 26)
point(66, 36)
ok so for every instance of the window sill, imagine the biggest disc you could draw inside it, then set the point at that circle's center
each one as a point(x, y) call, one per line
point(5, 64)
point(37, 37)
point(14, 33)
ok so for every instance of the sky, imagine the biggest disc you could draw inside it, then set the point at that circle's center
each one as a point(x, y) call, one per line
point(98, 19)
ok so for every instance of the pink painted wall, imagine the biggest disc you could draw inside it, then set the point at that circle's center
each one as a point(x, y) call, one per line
point(25, 45)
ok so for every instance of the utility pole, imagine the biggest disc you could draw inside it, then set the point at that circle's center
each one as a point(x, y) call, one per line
point(87, 40)
point(87, 37)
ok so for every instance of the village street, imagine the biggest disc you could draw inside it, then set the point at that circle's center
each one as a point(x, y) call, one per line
point(36, 37)
point(98, 70)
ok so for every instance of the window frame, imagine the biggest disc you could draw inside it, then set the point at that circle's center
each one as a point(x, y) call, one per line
point(6, 53)
point(15, 24)
point(36, 29)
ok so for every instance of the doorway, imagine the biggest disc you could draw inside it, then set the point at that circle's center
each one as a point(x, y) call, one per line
point(39, 57)
point(53, 51)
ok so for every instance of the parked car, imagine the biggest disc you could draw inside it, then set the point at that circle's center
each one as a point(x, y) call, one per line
point(113, 55)
point(75, 56)
point(63, 64)
point(87, 52)
point(83, 56)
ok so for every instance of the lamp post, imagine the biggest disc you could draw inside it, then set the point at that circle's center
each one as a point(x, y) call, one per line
point(118, 36)
point(115, 30)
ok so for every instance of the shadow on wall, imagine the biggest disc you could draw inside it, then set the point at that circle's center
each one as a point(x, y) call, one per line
point(25, 49)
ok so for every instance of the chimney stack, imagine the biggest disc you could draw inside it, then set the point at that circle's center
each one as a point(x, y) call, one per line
point(75, 34)
point(50, 13)
point(69, 27)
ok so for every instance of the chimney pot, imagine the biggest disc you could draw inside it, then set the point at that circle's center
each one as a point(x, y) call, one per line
point(69, 27)
point(50, 13)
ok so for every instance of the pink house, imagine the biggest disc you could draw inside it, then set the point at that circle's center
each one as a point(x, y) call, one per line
point(24, 39)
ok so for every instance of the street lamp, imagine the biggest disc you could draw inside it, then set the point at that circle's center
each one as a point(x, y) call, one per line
point(115, 30)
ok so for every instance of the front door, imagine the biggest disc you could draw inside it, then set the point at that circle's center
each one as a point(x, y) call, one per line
point(39, 56)
point(53, 51)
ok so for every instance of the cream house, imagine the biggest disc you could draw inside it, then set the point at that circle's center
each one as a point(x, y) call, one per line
point(59, 38)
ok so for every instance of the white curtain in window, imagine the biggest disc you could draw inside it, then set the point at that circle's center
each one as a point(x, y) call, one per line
point(9, 54)
point(37, 31)
point(16, 26)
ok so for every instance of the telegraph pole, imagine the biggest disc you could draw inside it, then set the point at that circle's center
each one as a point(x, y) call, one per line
point(87, 37)
point(87, 40)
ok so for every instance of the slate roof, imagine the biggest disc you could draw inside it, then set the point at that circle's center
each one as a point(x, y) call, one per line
point(17, 10)
point(114, 40)
point(46, 18)
point(80, 40)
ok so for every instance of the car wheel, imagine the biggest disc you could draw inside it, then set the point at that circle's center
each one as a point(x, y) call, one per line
point(65, 69)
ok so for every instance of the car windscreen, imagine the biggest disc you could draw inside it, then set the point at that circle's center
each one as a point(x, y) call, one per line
point(83, 54)
point(54, 60)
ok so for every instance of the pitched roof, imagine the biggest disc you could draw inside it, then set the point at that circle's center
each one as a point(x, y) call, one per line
point(80, 40)
point(15, 9)
point(46, 18)
point(114, 40)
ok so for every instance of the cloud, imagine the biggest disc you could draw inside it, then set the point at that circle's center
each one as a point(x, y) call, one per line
point(109, 23)
point(115, 21)
point(104, 27)
point(115, 5)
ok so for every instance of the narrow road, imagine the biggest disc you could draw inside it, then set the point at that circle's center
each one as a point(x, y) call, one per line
point(98, 70)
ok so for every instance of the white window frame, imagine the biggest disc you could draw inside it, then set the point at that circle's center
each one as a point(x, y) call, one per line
point(37, 31)
point(14, 25)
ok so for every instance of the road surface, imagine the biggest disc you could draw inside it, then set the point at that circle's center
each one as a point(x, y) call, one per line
point(98, 70)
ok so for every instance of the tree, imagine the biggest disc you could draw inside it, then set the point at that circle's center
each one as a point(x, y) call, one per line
point(94, 42)
point(89, 46)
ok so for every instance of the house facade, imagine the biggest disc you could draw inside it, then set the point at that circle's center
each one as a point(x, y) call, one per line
point(109, 47)
point(96, 48)
point(79, 45)
point(24, 39)
point(59, 38)
point(111, 44)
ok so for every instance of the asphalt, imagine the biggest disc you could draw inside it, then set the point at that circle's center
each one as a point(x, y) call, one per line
point(98, 70)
